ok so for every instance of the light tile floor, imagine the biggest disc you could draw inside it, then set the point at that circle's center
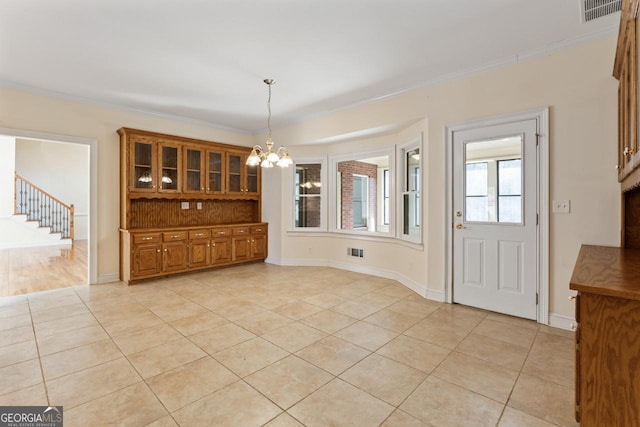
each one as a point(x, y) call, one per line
point(279, 346)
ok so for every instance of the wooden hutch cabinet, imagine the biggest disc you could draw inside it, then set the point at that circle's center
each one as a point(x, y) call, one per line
point(607, 279)
point(186, 205)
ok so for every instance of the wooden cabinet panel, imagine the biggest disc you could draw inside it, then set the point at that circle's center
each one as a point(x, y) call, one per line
point(174, 257)
point(609, 361)
point(626, 70)
point(241, 248)
point(258, 246)
point(221, 252)
point(147, 260)
point(199, 253)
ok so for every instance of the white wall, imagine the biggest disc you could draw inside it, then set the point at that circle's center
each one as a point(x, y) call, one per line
point(575, 83)
point(7, 168)
point(60, 169)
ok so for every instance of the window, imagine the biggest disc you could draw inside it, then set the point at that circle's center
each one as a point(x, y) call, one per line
point(411, 203)
point(360, 201)
point(307, 200)
point(360, 194)
point(386, 194)
point(376, 193)
point(361, 204)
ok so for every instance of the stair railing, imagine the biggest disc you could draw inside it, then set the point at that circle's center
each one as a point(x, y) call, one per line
point(38, 205)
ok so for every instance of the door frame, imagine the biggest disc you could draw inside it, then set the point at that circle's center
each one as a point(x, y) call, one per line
point(92, 256)
point(541, 115)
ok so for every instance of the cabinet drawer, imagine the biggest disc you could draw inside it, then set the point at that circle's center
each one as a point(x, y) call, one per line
point(240, 231)
point(258, 229)
point(221, 232)
point(174, 236)
point(146, 238)
point(199, 234)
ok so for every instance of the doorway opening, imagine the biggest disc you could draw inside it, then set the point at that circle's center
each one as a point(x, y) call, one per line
point(49, 204)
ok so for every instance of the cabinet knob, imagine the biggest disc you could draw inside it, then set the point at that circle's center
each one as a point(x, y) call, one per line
point(573, 326)
point(618, 167)
point(572, 298)
point(214, 245)
point(202, 189)
point(165, 250)
point(158, 251)
point(209, 246)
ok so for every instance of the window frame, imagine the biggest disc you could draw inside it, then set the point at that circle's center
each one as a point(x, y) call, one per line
point(403, 187)
point(335, 201)
point(322, 161)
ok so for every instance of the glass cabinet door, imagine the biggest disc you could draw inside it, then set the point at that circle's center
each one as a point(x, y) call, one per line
point(253, 181)
point(215, 172)
point(169, 161)
point(193, 170)
point(234, 172)
point(143, 167)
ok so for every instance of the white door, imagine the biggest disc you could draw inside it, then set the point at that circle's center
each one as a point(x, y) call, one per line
point(495, 250)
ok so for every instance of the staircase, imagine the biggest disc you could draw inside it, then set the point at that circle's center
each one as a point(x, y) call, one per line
point(41, 207)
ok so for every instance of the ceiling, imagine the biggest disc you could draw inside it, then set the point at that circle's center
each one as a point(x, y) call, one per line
point(205, 60)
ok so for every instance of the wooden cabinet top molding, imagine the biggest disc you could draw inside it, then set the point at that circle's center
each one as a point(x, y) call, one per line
point(124, 131)
point(608, 271)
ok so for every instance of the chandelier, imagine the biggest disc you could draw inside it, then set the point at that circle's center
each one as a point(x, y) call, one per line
point(266, 158)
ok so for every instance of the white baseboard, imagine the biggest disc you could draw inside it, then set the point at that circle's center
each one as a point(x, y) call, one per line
point(108, 278)
point(562, 322)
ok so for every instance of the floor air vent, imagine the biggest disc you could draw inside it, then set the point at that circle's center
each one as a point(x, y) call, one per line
point(358, 253)
point(594, 9)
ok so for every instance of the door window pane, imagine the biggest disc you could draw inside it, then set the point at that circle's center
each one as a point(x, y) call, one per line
point(510, 190)
point(477, 198)
point(493, 180)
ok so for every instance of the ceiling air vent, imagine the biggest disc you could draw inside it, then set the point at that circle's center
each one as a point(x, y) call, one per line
point(594, 9)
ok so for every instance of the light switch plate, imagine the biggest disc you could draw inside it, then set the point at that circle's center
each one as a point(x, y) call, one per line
point(561, 206)
point(199, 205)
point(184, 205)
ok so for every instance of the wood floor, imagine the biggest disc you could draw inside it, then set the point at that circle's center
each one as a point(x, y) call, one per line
point(26, 270)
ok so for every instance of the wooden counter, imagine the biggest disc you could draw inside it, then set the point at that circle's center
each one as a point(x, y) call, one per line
point(607, 336)
point(608, 271)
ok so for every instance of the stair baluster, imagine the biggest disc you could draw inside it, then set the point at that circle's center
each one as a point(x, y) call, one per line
point(38, 205)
